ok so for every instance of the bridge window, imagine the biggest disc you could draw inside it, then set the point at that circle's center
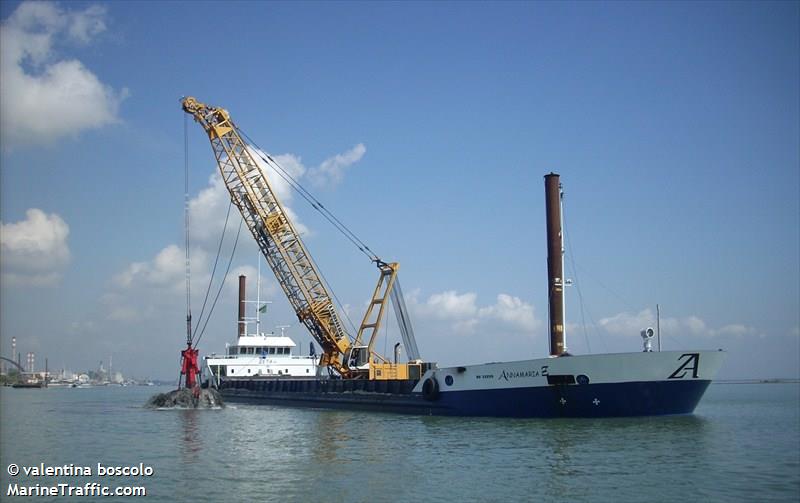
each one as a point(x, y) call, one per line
point(272, 351)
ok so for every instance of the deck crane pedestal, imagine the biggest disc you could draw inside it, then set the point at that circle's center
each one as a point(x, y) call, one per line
point(252, 193)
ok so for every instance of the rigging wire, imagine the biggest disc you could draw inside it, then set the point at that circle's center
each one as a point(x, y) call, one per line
point(386, 333)
point(619, 297)
point(319, 207)
point(214, 269)
point(309, 198)
point(341, 306)
point(576, 283)
point(294, 184)
point(313, 201)
point(222, 284)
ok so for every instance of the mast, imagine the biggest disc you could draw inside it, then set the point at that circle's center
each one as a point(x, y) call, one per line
point(258, 297)
point(658, 326)
point(555, 264)
point(242, 325)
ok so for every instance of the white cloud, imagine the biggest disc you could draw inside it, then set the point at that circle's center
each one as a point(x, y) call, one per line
point(207, 211)
point(268, 286)
point(292, 165)
point(630, 325)
point(145, 287)
point(736, 329)
point(208, 208)
point(45, 98)
point(461, 311)
point(513, 311)
point(82, 26)
point(695, 325)
point(168, 267)
point(34, 250)
point(450, 305)
point(627, 323)
point(331, 171)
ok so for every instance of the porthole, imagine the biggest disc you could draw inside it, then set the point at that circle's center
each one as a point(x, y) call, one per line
point(582, 379)
point(448, 380)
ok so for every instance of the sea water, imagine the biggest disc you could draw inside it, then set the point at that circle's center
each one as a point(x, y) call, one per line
point(742, 444)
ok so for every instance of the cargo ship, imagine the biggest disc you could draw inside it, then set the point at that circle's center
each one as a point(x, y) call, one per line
point(605, 385)
point(350, 373)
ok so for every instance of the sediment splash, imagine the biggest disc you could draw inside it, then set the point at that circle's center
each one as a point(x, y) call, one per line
point(208, 398)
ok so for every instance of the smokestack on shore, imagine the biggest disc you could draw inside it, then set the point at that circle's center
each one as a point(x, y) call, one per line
point(555, 264)
point(242, 294)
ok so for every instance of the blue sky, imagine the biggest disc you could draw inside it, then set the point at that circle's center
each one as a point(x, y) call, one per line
point(674, 126)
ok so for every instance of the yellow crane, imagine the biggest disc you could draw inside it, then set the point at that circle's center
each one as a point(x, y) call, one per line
point(298, 276)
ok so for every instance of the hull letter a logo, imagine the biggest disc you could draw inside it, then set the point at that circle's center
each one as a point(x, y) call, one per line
point(692, 359)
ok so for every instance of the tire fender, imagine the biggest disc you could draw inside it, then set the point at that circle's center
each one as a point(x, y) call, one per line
point(430, 389)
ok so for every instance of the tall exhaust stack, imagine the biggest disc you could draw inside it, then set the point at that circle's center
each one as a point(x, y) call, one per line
point(242, 294)
point(555, 264)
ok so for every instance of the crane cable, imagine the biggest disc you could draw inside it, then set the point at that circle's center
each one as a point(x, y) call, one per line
point(221, 284)
point(325, 212)
point(214, 269)
point(341, 306)
point(186, 225)
point(314, 202)
point(191, 334)
point(576, 283)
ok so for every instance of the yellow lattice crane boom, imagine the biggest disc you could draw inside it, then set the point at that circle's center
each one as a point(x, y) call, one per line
point(280, 243)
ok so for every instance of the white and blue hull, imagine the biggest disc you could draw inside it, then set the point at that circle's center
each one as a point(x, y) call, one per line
point(625, 384)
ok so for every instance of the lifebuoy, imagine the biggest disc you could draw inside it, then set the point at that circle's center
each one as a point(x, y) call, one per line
point(430, 389)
